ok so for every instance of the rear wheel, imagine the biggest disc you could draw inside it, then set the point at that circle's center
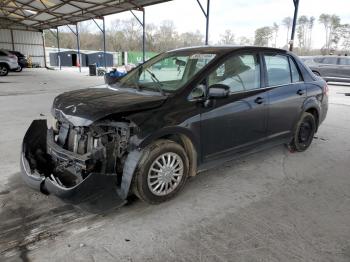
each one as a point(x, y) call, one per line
point(3, 70)
point(304, 133)
point(162, 172)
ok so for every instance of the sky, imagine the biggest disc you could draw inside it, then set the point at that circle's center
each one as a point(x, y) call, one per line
point(242, 17)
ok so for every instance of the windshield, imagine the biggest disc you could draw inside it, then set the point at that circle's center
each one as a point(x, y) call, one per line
point(168, 72)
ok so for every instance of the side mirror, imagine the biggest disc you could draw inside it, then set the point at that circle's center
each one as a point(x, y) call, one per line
point(218, 91)
point(198, 92)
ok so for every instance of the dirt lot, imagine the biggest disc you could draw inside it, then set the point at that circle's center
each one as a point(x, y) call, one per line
point(269, 206)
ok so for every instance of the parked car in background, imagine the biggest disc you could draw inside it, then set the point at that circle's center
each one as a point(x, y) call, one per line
point(151, 130)
point(330, 68)
point(8, 62)
point(22, 60)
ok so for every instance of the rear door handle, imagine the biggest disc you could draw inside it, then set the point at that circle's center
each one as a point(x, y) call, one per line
point(259, 100)
point(300, 92)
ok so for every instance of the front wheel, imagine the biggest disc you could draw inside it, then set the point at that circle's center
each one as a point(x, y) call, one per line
point(162, 172)
point(19, 69)
point(304, 133)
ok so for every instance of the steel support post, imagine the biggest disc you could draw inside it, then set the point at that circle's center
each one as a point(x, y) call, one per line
point(103, 30)
point(12, 41)
point(143, 24)
point(58, 47)
point(296, 7)
point(207, 24)
point(143, 36)
point(104, 42)
point(78, 45)
point(206, 15)
point(44, 50)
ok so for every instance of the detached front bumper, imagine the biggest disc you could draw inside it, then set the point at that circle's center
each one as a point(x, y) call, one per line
point(37, 165)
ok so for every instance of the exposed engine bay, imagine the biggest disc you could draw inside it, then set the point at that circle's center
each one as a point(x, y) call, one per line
point(99, 148)
point(77, 162)
point(103, 148)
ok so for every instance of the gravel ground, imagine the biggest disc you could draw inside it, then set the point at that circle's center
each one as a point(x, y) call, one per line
point(269, 206)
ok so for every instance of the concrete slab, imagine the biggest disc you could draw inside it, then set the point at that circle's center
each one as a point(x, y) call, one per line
point(269, 206)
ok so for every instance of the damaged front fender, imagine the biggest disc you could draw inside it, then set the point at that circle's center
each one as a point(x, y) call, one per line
point(38, 167)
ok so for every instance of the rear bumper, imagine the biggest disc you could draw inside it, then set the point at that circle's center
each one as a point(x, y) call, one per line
point(36, 164)
point(13, 65)
point(324, 109)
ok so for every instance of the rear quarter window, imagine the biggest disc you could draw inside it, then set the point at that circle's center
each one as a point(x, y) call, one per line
point(296, 77)
point(344, 61)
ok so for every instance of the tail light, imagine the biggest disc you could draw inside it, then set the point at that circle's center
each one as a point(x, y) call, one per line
point(14, 57)
point(325, 90)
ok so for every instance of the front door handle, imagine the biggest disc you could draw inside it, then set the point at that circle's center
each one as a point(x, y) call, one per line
point(300, 92)
point(259, 100)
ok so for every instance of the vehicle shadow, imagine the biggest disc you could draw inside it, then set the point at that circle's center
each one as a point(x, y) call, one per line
point(29, 218)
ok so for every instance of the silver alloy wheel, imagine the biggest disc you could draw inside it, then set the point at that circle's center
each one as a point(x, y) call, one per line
point(3, 70)
point(165, 174)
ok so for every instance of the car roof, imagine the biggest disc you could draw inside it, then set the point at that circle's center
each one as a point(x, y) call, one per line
point(226, 49)
point(321, 56)
point(5, 51)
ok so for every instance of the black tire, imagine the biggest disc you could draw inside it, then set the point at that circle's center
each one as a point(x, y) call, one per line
point(19, 69)
point(152, 153)
point(304, 133)
point(4, 70)
point(316, 73)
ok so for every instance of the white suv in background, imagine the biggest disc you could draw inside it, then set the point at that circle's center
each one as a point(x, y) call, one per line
point(7, 62)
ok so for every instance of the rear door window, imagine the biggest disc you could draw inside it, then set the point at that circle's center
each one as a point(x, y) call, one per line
point(278, 70)
point(318, 59)
point(330, 60)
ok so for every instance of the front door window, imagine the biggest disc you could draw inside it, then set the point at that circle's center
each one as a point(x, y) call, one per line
point(240, 73)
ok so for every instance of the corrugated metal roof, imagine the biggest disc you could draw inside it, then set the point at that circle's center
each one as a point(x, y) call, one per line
point(45, 14)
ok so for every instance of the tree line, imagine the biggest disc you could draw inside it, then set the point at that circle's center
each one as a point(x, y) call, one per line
point(126, 35)
point(337, 35)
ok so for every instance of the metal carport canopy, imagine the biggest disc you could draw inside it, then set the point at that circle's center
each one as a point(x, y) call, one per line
point(46, 14)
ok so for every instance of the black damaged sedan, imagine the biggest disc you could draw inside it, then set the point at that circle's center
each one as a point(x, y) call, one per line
point(181, 112)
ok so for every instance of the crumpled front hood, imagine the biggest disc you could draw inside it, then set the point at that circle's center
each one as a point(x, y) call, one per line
point(85, 106)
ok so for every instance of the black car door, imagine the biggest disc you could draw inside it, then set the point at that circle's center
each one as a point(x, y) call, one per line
point(286, 95)
point(238, 120)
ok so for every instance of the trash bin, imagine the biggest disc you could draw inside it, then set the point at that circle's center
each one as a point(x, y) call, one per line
point(92, 70)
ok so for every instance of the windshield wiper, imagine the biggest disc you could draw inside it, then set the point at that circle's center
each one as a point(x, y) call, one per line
point(156, 80)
